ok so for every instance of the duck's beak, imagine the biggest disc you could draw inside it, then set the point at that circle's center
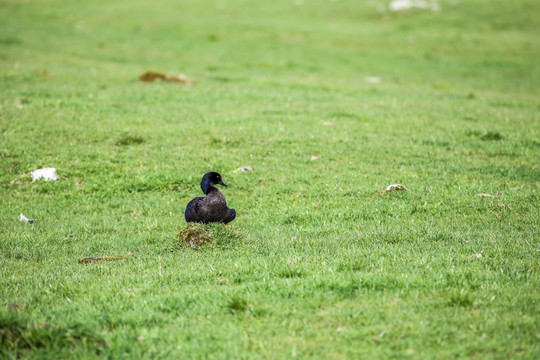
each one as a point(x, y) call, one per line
point(222, 183)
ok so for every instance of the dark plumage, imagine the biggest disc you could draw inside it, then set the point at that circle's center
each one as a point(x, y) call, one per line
point(213, 207)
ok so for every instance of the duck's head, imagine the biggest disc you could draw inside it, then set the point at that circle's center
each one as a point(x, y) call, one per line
point(209, 180)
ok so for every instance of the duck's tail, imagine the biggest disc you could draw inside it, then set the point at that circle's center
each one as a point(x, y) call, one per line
point(231, 215)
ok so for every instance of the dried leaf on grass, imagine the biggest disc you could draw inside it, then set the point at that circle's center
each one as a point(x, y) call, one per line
point(151, 76)
point(98, 259)
point(489, 195)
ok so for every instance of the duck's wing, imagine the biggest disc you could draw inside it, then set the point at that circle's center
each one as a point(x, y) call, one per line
point(212, 208)
point(192, 213)
point(219, 210)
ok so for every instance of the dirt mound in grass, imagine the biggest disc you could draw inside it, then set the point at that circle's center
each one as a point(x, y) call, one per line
point(195, 235)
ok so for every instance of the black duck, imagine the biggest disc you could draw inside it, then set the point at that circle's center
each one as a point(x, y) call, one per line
point(213, 207)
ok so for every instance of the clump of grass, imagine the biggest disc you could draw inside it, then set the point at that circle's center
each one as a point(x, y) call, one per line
point(491, 136)
point(290, 273)
point(18, 336)
point(195, 235)
point(350, 265)
point(460, 298)
point(129, 139)
point(237, 304)
point(485, 136)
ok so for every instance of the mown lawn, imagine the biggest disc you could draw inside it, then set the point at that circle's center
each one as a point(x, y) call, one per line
point(329, 102)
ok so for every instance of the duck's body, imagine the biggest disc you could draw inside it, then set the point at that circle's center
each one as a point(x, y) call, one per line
point(213, 207)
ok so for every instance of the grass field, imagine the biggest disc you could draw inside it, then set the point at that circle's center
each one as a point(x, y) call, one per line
point(329, 102)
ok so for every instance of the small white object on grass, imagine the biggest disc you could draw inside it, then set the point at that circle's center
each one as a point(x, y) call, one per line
point(397, 187)
point(244, 169)
point(478, 255)
point(25, 219)
point(45, 174)
point(400, 5)
point(372, 79)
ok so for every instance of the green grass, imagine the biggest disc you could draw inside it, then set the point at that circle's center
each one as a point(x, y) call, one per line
point(326, 266)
